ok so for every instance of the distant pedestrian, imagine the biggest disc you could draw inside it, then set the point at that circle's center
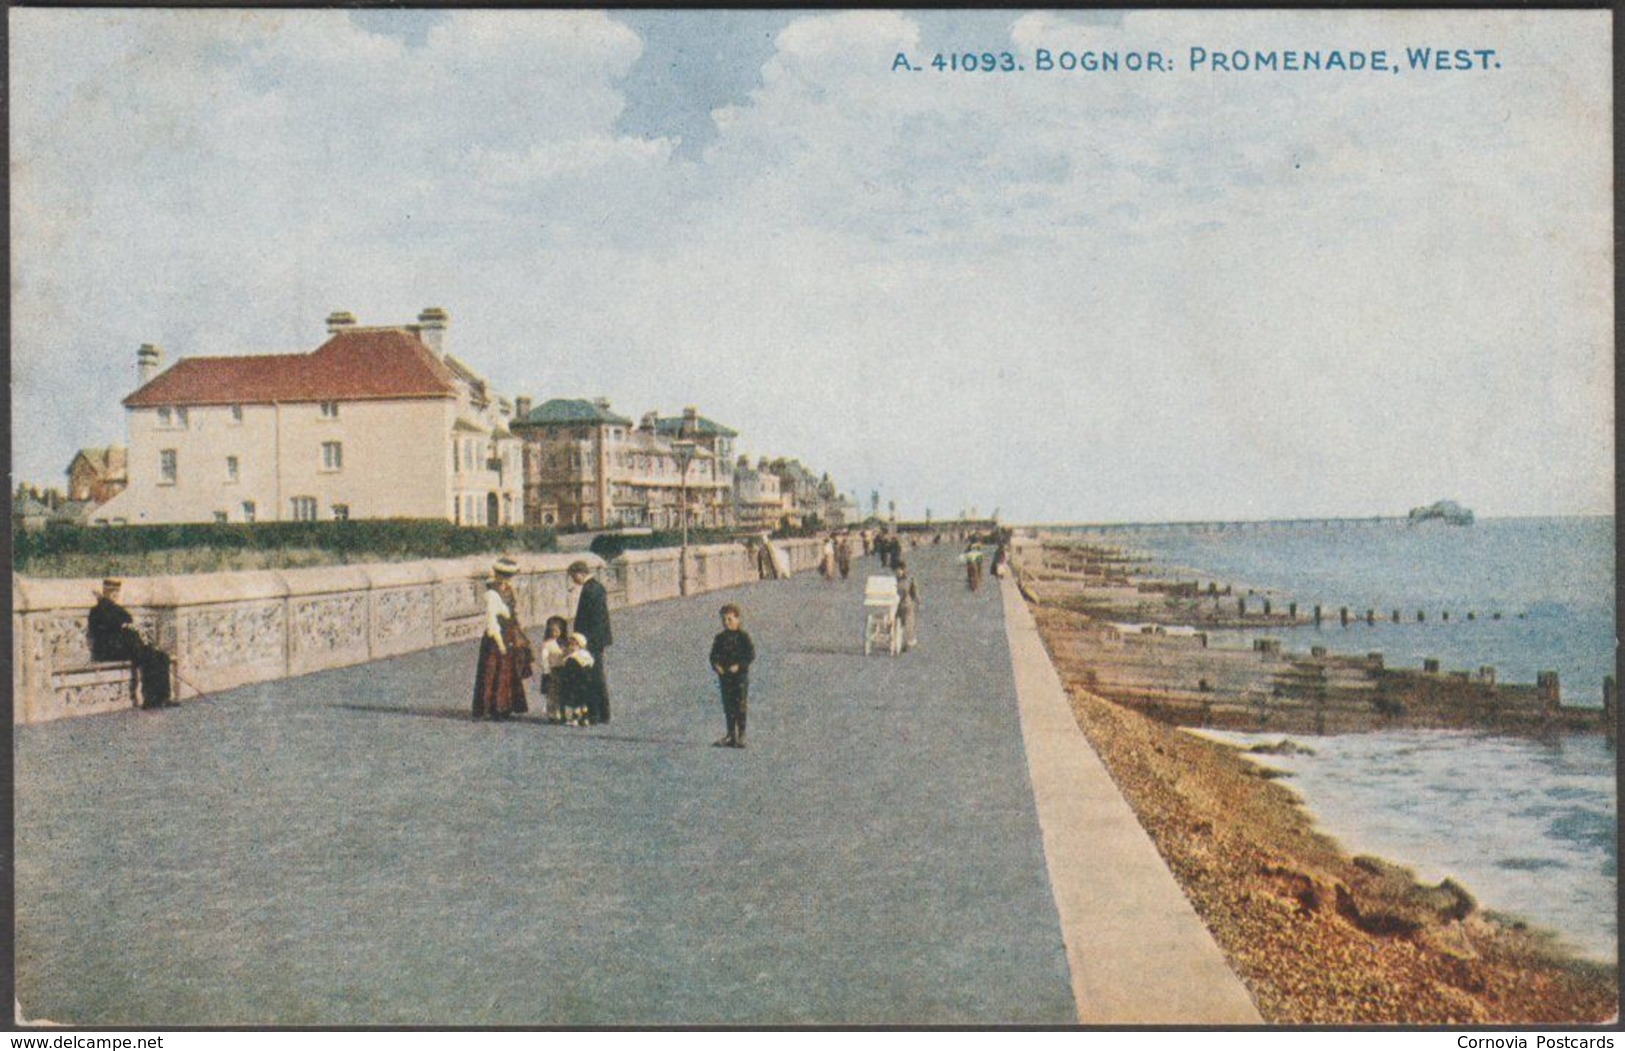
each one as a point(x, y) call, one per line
point(826, 559)
point(908, 606)
point(576, 681)
point(551, 657)
point(843, 555)
point(113, 637)
point(973, 566)
point(505, 657)
point(592, 623)
point(731, 655)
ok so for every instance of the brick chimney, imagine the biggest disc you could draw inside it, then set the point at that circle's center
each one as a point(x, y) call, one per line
point(338, 321)
point(431, 328)
point(149, 361)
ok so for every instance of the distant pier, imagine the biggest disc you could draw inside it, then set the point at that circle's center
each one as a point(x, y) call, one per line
point(1216, 526)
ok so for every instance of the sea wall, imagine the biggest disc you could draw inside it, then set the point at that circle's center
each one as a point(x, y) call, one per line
point(228, 629)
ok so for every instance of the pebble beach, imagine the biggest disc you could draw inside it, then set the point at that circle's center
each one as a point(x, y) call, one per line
point(1319, 936)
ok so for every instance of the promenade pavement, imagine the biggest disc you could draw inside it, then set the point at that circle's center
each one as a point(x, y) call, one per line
point(349, 848)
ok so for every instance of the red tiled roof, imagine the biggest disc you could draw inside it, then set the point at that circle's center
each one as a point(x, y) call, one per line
point(359, 364)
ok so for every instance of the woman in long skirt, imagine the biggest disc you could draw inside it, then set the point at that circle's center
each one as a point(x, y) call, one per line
point(499, 678)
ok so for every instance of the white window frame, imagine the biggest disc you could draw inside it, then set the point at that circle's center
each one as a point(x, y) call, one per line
point(236, 412)
point(329, 410)
point(233, 469)
point(341, 512)
point(249, 510)
point(168, 467)
point(302, 508)
point(332, 457)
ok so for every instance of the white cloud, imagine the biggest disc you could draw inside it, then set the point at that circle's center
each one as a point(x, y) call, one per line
point(1067, 295)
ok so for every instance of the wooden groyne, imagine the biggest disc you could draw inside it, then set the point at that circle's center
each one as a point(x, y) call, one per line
point(1145, 641)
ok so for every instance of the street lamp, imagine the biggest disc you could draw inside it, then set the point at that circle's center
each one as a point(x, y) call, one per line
point(685, 454)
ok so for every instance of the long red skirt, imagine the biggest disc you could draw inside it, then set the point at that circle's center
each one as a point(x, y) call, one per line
point(498, 688)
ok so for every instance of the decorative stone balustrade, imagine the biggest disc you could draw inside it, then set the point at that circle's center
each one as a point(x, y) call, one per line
point(228, 629)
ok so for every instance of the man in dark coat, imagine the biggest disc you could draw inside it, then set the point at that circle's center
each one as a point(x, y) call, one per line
point(113, 638)
point(592, 621)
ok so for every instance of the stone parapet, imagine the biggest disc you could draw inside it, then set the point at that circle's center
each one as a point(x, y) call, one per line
point(229, 629)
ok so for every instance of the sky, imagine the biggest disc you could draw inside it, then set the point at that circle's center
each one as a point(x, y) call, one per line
point(1061, 296)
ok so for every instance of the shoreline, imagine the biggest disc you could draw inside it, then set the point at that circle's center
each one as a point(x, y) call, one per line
point(1159, 640)
point(1319, 936)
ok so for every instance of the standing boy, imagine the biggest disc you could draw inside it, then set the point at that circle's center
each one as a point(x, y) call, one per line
point(731, 654)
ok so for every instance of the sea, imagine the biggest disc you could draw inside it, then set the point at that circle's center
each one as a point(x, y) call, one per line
point(1528, 826)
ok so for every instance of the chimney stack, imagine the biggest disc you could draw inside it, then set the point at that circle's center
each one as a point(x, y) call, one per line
point(521, 407)
point(338, 321)
point(432, 324)
point(602, 403)
point(149, 361)
point(650, 422)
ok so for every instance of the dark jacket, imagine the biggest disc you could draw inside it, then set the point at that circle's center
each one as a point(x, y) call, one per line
point(592, 617)
point(109, 639)
point(730, 648)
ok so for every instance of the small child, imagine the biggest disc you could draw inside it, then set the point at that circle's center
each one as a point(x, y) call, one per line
point(731, 655)
point(575, 680)
point(553, 656)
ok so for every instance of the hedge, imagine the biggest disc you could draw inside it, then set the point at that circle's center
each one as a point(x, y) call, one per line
point(608, 546)
point(392, 538)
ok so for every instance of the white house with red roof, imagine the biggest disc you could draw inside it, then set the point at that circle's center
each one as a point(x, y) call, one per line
point(377, 422)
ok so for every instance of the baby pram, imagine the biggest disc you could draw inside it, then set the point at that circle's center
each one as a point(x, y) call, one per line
point(880, 620)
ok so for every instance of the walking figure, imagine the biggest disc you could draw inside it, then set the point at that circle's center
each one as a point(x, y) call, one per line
point(908, 606)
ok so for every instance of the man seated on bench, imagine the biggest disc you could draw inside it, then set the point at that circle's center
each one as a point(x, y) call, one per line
point(113, 637)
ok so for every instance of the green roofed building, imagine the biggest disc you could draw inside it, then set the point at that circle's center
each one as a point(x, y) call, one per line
point(588, 467)
point(568, 412)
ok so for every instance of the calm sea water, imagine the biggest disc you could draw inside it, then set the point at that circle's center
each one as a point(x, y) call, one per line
point(1529, 827)
point(1550, 579)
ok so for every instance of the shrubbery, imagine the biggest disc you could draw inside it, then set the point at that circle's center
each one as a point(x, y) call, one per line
point(129, 549)
point(609, 545)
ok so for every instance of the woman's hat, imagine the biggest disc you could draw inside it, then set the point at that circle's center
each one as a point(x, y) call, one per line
point(579, 639)
point(504, 567)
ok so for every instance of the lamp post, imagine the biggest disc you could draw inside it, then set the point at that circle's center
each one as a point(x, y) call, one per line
point(685, 454)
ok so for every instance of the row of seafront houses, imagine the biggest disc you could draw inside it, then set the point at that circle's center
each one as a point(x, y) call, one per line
point(381, 422)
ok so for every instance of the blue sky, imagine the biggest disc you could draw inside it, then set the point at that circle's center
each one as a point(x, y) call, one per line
point(1069, 296)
